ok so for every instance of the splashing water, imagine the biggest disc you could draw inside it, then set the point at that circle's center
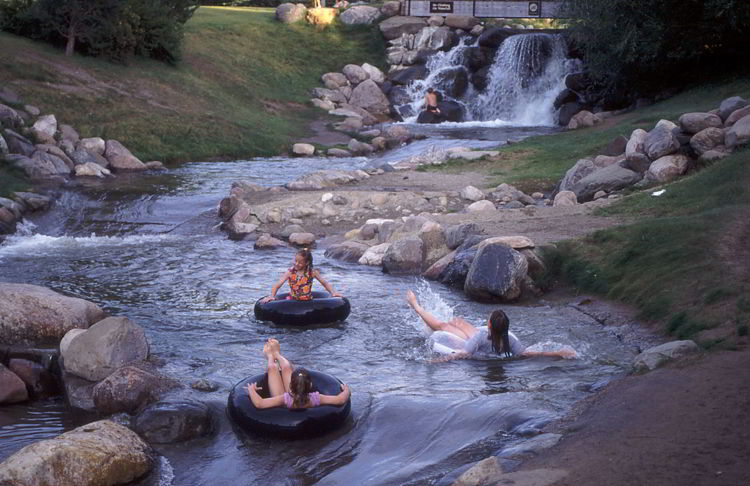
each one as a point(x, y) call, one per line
point(526, 76)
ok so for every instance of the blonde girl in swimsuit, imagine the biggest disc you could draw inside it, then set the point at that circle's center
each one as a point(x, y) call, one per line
point(300, 278)
point(290, 387)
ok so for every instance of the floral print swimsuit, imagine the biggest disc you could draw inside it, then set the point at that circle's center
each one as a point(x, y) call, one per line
point(300, 285)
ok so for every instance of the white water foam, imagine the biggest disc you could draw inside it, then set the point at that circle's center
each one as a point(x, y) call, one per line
point(434, 304)
point(166, 472)
point(25, 244)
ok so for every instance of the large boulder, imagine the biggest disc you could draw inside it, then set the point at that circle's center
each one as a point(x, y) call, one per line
point(496, 273)
point(41, 165)
point(97, 454)
point(398, 25)
point(35, 315)
point(635, 152)
point(368, 96)
point(120, 158)
point(737, 115)
point(174, 421)
point(730, 105)
point(494, 36)
point(354, 73)
point(661, 140)
point(404, 256)
point(9, 118)
point(128, 389)
point(667, 168)
point(457, 234)
point(374, 255)
point(359, 15)
point(608, 179)
point(290, 12)
point(107, 345)
point(738, 134)
point(433, 242)
point(455, 272)
point(374, 73)
point(389, 9)
point(348, 251)
point(695, 122)
point(707, 139)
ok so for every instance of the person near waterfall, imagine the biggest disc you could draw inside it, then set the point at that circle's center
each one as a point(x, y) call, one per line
point(461, 340)
point(300, 278)
point(431, 101)
point(289, 386)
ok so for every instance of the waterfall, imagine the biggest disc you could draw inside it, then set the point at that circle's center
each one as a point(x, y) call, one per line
point(526, 76)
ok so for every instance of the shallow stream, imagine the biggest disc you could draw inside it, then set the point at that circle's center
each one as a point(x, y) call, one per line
point(147, 247)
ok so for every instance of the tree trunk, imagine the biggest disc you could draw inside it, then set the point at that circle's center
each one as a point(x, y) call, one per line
point(71, 45)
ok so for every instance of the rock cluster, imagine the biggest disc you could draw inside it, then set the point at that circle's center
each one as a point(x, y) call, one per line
point(660, 155)
point(47, 150)
point(56, 344)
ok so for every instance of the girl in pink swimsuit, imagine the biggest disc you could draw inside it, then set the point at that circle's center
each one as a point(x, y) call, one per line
point(290, 387)
point(300, 278)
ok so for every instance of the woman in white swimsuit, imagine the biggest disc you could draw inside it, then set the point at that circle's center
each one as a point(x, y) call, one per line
point(460, 339)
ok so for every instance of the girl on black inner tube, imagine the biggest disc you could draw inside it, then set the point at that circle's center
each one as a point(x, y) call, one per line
point(290, 387)
point(300, 278)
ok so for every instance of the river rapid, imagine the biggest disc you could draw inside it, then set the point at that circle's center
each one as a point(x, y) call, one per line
point(148, 247)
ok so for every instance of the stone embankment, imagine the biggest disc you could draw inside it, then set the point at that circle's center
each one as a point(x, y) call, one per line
point(55, 345)
point(48, 151)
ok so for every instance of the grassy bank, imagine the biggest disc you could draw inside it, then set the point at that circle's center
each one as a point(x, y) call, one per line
point(242, 89)
point(538, 163)
point(684, 264)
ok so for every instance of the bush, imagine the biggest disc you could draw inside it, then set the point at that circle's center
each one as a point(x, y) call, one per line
point(649, 44)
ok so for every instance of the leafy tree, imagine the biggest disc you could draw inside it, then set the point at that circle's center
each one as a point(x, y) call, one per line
point(651, 43)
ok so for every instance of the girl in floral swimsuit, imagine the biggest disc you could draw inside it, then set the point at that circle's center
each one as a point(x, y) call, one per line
point(300, 278)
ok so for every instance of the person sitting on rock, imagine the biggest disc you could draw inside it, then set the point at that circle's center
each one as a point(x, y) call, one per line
point(459, 339)
point(300, 278)
point(290, 387)
point(431, 101)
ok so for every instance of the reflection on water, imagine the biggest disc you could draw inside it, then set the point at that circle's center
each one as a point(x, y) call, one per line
point(152, 252)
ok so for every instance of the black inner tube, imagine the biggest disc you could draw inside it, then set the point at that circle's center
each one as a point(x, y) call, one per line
point(285, 423)
point(321, 309)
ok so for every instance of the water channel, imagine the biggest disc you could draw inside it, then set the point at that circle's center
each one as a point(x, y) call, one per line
point(148, 247)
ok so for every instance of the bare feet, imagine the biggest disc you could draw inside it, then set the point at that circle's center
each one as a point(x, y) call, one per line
point(274, 346)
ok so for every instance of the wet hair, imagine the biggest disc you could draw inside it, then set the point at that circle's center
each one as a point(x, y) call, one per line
point(499, 324)
point(300, 386)
point(308, 259)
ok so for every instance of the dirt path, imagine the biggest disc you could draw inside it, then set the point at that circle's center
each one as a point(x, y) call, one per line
point(684, 424)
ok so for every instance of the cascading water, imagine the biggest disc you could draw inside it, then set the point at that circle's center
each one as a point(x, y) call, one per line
point(526, 75)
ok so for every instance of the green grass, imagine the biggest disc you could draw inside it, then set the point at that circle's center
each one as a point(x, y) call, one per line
point(241, 90)
point(668, 264)
point(538, 163)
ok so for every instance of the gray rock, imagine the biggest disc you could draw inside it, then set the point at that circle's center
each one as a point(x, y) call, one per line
point(404, 256)
point(461, 22)
point(336, 152)
point(120, 158)
point(334, 80)
point(45, 128)
point(99, 453)
point(69, 133)
point(17, 143)
point(730, 105)
point(667, 168)
point(348, 251)
point(33, 201)
point(374, 73)
point(93, 144)
point(174, 421)
point(127, 389)
point(661, 140)
point(107, 345)
point(695, 122)
point(12, 388)
point(391, 8)
point(9, 118)
point(395, 27)
point(737, 115)
point(359, 15)
point(496, 273)
point(368, 96)
point(455, 235)
point(304, 149)
point(738, 134)
point(608, 179)
point(707, 139)
point(267, 242)
point(35, 315)
point(289, 13)
point(354, 73)
point(654, 357)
